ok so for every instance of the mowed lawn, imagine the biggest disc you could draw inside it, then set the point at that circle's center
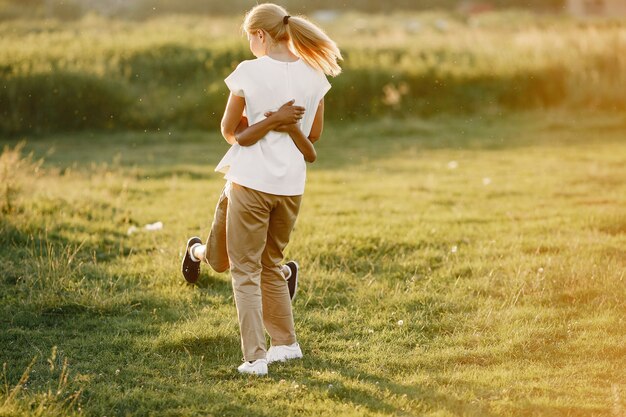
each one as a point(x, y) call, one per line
point(451, 266)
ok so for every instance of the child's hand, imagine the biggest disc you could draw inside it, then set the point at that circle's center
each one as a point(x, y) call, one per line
point(287, 113)
point(284, 127)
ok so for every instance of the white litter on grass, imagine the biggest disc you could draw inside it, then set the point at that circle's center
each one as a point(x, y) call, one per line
point(400, 322)
point(454, 249)
point(154, 226)
point(413, 26)
point(441, 25)
point(150, 227)
point(453, 165)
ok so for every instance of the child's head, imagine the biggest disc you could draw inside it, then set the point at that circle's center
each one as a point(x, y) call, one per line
point(309, 41)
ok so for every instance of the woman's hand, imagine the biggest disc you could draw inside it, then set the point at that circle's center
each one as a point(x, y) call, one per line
point(287, 114)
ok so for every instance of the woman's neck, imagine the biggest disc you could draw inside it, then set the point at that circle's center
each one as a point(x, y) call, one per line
point(281, 52)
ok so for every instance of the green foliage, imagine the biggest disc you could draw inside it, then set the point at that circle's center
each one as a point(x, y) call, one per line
point(62, 101)
point(168, 72)
point(144, 9)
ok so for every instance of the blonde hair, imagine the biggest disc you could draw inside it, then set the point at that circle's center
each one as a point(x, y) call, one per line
point(308, 40)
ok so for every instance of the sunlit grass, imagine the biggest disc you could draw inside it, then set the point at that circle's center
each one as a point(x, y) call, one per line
point(454, 266)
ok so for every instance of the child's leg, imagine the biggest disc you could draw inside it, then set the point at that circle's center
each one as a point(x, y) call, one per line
point(214, 251)
point(246, 232)
point(277, 314)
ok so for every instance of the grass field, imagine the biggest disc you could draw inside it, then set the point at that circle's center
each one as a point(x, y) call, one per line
point(99, 73)
point(454, 266)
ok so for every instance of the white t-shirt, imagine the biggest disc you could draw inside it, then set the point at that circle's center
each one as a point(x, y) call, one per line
point(274, 164)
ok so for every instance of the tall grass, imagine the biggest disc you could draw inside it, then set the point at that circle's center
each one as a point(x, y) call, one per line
point(57, 399)
point(18, 173)
point(167, 72)
point(49, 271)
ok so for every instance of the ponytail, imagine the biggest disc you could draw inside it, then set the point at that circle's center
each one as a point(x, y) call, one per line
point(309, 40)
point(314, 46)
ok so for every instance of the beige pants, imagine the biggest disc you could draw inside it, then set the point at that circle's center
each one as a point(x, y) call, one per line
point(250, 230)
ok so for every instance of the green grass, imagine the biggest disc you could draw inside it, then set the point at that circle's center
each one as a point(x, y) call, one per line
point(498, 243)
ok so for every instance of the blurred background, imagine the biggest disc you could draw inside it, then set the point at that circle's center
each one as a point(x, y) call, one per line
point(153, 64)
point(466, 211)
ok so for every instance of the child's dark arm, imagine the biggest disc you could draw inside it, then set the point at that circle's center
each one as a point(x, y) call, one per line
point(252, 134)
point(243, 125)
point(304, 144)
point(249, 135)
point(317, 126)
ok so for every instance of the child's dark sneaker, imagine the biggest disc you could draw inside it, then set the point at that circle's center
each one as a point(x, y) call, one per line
point(292, 281)
point(191, 268)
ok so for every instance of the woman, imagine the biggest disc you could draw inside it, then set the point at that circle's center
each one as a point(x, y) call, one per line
point(282, 93)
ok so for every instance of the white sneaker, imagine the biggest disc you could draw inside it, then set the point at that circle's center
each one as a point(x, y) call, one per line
point(258, 367)
point(283, 353)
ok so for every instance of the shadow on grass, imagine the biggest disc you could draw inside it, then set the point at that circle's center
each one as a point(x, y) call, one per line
point(217, 284)
point(208, 346)
point(379, 394)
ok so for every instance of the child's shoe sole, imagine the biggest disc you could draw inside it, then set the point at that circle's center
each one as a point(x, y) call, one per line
point(189, 267)
point(292, 282)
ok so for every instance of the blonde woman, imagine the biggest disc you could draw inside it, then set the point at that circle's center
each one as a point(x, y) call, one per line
point(282, 92)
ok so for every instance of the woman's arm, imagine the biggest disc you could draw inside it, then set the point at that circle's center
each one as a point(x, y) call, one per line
point(243, 125)
point(318, 123)
point(236, 130)
point(232, 118)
